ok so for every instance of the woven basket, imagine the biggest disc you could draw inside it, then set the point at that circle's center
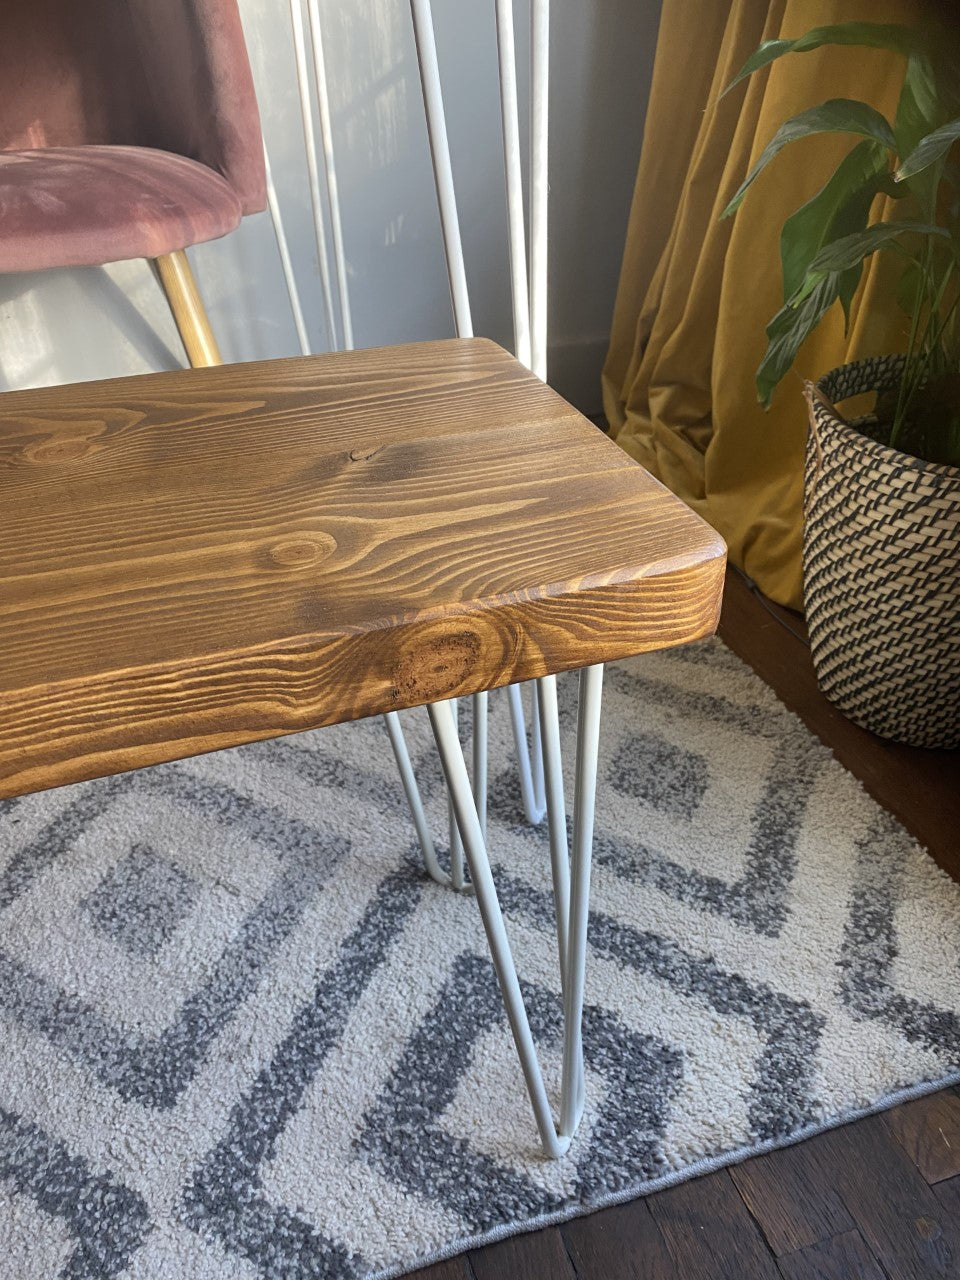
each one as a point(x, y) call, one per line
point(881, 570)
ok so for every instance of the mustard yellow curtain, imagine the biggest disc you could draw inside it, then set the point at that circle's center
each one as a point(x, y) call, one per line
point(696, 294)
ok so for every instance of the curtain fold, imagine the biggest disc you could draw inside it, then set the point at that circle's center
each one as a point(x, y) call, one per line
point(695, 293)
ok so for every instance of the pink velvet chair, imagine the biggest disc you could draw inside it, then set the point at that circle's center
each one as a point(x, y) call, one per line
point(128, 129)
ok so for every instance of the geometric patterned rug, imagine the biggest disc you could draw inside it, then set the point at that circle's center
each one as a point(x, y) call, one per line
point(244, 1035)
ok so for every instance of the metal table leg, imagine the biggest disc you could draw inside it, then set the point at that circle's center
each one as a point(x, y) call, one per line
point(571, 881)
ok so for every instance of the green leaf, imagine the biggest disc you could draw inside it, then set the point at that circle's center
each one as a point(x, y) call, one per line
point(918, 283)
point(839, 208)
point(847, 287)
point(762, 56)
point(919, 109)
point(848, 251)
point(852, 218)
point(787, 331)
point(890, 187)
point(918, 112)
point(872, 35)
point(910, 291)
point(837, 115)
point(929, 149)
point(945, 53)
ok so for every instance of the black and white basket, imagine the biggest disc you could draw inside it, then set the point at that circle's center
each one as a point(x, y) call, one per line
point(881, 570)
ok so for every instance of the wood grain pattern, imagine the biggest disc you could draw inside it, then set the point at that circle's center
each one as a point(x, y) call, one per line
point(855, 1177)
point(524, 1257)
point(189, 313)
point(948, 1194)
point(844, 1257)
point(928, 1129)
point(896, 1212)
point(619, 1243)
point(453, 1269)
point(709, 1233)
point(202, 558)
point(791, 1194)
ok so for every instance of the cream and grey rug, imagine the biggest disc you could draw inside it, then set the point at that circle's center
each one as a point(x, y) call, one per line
point(243, 1034)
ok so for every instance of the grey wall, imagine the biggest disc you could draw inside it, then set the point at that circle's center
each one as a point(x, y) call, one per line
point(62, 326)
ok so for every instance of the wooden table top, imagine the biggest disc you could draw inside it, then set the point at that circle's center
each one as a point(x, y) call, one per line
point(197, 559)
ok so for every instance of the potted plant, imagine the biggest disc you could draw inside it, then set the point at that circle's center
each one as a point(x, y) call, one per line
point(881, 547)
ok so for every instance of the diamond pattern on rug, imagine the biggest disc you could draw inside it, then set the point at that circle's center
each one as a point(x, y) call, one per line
point(244, 1034)
point(106, 1220)
point(141, 901)
point(668, 777)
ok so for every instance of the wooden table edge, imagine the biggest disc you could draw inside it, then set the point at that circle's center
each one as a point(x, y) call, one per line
point(181, 725)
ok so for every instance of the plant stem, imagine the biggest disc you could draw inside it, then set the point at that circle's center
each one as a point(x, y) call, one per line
point(923, 362)
point(903, 397)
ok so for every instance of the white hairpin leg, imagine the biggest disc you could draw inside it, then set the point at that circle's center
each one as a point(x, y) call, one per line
point(510, 121)
point(529, 759)
point(539, 181)
point(456, 844)
point(531, 768)
point(479, 712)
point(556, 813)
point(462, 310)
point(408, 778)
point(412, 791)
point(584, 806)
point(392, 722)
point(330, 171)
point(283, 248)
point(528, 294)
point(310, 148)
point(571, 915)
point(442, 168)
point(480, 758)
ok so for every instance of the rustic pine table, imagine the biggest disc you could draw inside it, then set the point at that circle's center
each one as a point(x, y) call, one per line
point(199, 559)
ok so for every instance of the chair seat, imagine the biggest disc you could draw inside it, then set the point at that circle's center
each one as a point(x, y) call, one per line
point(83, 206)
point(196, 559)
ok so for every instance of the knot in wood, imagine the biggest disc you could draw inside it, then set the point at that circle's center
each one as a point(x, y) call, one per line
point(365, 453)
point(303, 551)
point(927, 1228)
point(435, 667)
point(63, 449)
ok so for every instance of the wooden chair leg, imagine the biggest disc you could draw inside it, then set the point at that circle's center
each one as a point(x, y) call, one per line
point(180, 286)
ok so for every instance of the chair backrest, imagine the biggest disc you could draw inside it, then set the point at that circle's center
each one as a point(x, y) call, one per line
point(58, 69)
point(170, 74)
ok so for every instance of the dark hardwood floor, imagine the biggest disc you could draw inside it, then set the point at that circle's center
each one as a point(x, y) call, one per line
point(878, 1199)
